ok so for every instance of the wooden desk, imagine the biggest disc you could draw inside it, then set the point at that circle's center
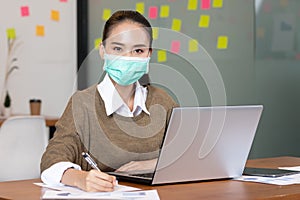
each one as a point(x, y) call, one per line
point(225, 189)
point(50, 121)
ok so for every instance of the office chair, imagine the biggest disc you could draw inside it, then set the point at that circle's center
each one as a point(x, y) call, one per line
point(23, 139)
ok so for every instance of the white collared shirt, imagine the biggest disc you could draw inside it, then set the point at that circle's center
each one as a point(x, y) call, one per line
point(115, 104)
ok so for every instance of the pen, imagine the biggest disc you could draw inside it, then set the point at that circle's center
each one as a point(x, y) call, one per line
point(90, 160)
point(93, 164)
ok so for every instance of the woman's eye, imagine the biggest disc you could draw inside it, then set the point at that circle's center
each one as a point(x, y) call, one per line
point(139, 51)
point(118, 49)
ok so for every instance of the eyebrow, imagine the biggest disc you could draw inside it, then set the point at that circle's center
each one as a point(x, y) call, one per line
point(121, 44)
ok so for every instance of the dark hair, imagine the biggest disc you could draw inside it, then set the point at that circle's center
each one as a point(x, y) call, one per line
point(126, 15)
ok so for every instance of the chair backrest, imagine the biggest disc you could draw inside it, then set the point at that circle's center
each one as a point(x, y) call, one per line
point(23, 139)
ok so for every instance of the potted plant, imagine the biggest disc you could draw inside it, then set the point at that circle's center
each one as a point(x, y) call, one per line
point(7, 105)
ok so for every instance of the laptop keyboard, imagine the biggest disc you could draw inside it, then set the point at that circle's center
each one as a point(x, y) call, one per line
point(146, 175)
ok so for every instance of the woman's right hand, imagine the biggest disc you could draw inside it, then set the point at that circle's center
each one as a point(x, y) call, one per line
point(90, 181)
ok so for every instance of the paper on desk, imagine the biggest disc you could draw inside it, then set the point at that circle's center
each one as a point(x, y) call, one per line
point(65, 188)
point(295, 168)
point(140, 195)
point(283, 180)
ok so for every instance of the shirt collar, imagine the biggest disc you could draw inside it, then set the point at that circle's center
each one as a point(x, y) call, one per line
point(113, 101)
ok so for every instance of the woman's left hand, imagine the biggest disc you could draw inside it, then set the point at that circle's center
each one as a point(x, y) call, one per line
point(138, 165)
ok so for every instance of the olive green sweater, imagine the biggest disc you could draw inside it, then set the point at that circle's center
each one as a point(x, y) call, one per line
point(111, 140)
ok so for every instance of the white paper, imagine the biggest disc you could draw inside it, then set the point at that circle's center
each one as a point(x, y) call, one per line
point(65, 188)
point(140, 195)
point(283, 180)
point(283, 33)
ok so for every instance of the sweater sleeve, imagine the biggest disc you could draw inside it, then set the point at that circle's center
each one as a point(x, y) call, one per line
point(66, 145)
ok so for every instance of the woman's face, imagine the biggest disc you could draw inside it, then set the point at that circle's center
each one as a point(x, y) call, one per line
point(127, 39)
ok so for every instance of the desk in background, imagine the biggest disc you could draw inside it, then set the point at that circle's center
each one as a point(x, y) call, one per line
point(219, 189)
point(50, 122)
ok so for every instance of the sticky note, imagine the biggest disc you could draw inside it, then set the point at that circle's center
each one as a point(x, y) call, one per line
point(267, 7)
point(204, 21)
point(64, 1)
point(176, 24)
point(106, 14)
point(175, 46)
point(193, 45)
point(192, 5)
point(161, 56)
point(24, 11)
point(155, 31)
point(97, 42)
point(205, 4)
point(284, 3)
point(140, 7)
point(260, 32)
point(298, 56)
point(222, 42)
point(40, 30)
point(164, 11)
point(153, 12)
point(217, 3)
point(11, 33)
point(55, 15)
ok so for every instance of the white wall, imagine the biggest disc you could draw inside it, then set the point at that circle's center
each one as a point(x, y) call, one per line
point(47, 64)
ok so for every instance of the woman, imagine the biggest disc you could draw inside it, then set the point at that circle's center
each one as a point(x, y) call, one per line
point(120, 123)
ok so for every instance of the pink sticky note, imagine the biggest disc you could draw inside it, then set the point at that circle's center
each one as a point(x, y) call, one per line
point(64, 1)
point(24, 11)
point(298, 56)
point(175, 46)
point(205, 4)
point(153, 12)
point(267, 7)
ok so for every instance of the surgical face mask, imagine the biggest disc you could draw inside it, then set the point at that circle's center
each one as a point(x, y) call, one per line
point(125, 70)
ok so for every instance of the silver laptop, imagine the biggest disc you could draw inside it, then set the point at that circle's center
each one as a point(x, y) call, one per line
point(203, 143)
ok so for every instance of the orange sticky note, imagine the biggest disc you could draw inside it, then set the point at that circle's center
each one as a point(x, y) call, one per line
point(11, 33)
point(204, 21)
point(106, 14)
point(140, 7)
point(176, 24)
point(217, 3)
point(155, 32)
point(40, 30)
point(175, 46)
point(153, 12)
point(192, 5)
point(164, 11)
point(161, 56)
point(222, 42)
point(24, 11)
point(97, 42)
point(55, 15)
point(205, 4)
point(193, 45)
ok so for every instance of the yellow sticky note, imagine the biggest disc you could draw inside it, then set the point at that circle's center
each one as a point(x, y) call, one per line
point(176, 25)
point(155, 32)
point(40, 30)
point(204, 21)
point(140, 7)
point(217, 4)
point(55, 15)
point(106, 14)
point(164, 11)
point(193, 45)
point(192, 5)
point(97, 42)
point(284, 3)
point(222, 42)
point(11, 33)
point(161, 56)
point(260, 32)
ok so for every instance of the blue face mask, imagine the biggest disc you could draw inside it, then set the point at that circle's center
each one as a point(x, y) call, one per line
point(125, 70)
